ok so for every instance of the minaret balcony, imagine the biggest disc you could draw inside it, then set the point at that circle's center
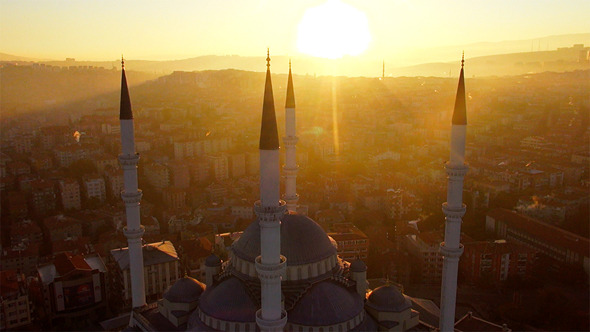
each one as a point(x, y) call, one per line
point(454, 213)
point(132, 197)
point(290, 140)
point(270, 216)
point(451, 252)
point(456, 172)
point(134, 233)
point(271, 325)
point(270, 271)
point(129, 160)
point(287, 171)
point(292, 199)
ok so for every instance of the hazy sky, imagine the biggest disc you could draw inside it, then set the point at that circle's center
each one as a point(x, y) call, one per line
point(102, 30)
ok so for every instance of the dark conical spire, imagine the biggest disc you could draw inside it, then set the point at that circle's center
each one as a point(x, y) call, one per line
point(460, 112)
point(269, 135)
point(125, 112)
point(290, 102)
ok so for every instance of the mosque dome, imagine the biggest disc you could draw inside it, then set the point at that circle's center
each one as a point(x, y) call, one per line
point(388, 298)
point(184, 290)
point(303, 241)
point(326, 303)
point(358, 266)
point(228, 301)
point(212, 261)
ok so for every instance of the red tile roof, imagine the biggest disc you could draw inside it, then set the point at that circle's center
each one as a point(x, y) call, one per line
point(66, 263)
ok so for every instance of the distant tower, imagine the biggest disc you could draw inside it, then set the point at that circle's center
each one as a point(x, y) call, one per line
point(290, 140)
point(270, 265)
point(131, 195)
point(383, 72)
point(454, 209)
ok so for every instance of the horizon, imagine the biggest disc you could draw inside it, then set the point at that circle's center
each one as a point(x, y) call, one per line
point(183, 30)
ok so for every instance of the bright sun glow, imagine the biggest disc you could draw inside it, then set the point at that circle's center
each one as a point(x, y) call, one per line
point(332, 30)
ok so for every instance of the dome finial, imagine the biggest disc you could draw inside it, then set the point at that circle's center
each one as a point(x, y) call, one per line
point(462, 59)
point(267, 57)
point(122, 62)
point(289, 63)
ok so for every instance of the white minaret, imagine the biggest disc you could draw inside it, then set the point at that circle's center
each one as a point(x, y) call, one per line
point(290, 140)
point(270, 265)
point(131, 195)
point(454, 209)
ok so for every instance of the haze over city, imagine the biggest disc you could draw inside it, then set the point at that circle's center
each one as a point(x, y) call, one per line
point(314, 165)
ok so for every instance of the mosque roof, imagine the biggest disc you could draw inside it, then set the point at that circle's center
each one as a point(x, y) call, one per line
point(212, 260)
point(303, 241)
point(184, 290)
point(358, 266)
point(326, 303)
point(388, 298)
point(229, 301)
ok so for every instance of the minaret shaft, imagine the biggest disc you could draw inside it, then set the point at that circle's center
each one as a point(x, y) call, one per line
point(132, 197)
point(270, 265)
point(454, 209)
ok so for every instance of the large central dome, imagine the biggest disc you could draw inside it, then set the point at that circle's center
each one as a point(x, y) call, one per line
point(303, 241)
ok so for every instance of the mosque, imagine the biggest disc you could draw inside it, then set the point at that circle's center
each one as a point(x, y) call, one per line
point(284, 272)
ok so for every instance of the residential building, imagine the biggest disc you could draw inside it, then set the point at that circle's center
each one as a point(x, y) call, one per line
point(174, 198)
point(497, 260)
point(73, 290)
point(352, 243)
point(424, 247)
point(552, 241)
point(61, 227)
point(25, 232)
point(15, 305)
point(157, 175)
point(43, 197)
point(237, 165)
point(69, 190)
point(94, 188)
point(180, 175)
point(219, 166)
point(161, 270)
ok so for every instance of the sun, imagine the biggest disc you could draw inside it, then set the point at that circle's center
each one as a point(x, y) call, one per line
point(333, 30)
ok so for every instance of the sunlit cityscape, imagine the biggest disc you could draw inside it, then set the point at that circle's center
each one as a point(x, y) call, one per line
point(328, 165)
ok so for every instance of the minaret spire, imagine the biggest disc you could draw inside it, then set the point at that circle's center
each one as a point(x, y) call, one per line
point(270, 265)
point(290, 140)
point(269, 135)
point(454, 209)
point(131, 195)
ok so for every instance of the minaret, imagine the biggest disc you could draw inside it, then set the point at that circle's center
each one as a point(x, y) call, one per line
point(454, 209)
point(270, 265)
point(290, 140)
point(131, 195)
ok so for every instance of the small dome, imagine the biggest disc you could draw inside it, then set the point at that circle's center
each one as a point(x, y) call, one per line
point(358, 266)
point(326, 303)
point(212, 261)
point(184, 290)
point(388, 298)
point(303, 241)
point(229, 301)
point(334, 243)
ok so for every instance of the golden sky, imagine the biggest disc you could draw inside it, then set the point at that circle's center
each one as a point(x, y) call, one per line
point(159, 30)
